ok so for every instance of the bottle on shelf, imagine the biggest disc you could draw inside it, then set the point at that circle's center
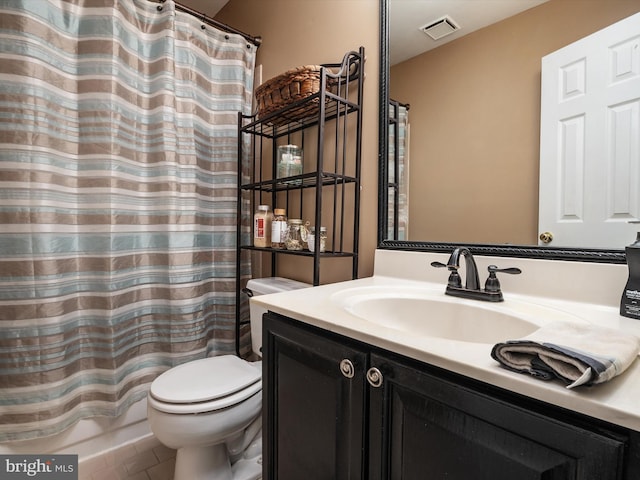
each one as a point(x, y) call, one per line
point(262, 227)
point(289, 161)
point(323, 239)
point(294, 240)
point(279, 228)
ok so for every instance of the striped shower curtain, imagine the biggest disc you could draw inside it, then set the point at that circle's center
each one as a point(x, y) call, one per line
point(118, 165)
point(398, 205)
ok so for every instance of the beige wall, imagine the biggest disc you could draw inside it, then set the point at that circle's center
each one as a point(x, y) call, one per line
point(303, 32)
point(475, 114)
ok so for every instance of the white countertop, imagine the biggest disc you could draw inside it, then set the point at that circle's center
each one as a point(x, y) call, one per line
point(616, 401)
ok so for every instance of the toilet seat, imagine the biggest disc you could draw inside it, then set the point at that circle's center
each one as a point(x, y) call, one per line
point(205, 385)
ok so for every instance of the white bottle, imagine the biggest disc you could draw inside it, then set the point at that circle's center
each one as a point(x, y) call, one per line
point(262, 227)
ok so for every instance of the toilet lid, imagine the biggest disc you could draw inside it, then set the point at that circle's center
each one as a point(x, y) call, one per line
point(204, 380)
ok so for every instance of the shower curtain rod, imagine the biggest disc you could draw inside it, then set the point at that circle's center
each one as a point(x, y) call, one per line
point(257, 41)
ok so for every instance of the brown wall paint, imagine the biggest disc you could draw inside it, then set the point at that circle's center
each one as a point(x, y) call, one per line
point(303, 32)
point(502, 172)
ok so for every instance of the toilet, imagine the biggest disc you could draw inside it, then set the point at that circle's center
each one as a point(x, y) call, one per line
point(210, 410)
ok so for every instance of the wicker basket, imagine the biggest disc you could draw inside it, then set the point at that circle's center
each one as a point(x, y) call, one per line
point(287, 88)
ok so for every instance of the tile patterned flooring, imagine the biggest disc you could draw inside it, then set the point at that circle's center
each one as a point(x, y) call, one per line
point(144, 460)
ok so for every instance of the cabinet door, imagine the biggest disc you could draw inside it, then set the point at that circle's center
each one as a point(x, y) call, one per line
point(424, 427)
point(314, 413)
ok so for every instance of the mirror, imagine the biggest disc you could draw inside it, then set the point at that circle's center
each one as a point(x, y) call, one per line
point(434, 241)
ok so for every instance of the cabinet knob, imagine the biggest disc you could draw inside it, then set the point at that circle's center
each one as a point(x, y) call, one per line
point(347, 369)
point(374, 377)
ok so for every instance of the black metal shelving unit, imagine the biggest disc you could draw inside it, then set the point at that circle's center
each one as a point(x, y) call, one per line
point(328, 127)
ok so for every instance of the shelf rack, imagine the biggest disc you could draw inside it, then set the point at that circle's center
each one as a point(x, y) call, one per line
point(328, 127)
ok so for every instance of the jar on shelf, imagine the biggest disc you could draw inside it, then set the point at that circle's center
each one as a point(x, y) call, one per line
point(294, 239)
point(289, 161)
point(279, 228)
point(262, 227)
point(311, 237)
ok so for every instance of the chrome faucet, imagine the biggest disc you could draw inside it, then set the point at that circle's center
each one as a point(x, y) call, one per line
point(471, 289)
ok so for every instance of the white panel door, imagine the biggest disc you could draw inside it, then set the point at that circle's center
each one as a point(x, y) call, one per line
point(590, 139)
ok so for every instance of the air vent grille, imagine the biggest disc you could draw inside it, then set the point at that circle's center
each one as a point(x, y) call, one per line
point(440, 28)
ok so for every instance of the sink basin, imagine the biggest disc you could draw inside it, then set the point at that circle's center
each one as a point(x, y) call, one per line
point(425, 312)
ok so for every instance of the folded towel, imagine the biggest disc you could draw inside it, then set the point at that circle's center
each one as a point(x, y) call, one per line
point(579, 354)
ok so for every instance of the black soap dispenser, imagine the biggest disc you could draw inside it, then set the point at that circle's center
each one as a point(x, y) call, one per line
point(630, 303)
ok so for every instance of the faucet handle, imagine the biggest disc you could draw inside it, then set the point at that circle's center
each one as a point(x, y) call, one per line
point(493, 284)
point(511, 270)
point(454, 277)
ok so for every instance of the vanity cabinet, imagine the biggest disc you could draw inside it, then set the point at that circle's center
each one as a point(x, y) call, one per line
point(431, 424)
point(313, 414)
point(336, 408)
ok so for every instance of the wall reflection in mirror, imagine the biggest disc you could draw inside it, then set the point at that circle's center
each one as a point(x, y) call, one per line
point(464, 160)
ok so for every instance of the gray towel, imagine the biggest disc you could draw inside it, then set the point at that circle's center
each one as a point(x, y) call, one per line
point(578, 354)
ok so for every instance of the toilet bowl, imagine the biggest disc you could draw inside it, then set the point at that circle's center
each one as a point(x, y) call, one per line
point(209, 410)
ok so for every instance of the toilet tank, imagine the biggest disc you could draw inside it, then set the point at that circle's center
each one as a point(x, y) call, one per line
point(264, 286)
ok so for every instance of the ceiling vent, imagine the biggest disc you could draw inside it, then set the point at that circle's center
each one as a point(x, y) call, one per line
point(440, 28)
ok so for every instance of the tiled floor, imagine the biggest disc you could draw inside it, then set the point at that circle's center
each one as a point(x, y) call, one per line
point(145, 460)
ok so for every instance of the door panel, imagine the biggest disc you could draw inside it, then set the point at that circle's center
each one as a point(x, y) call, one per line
point(314, 426)
point(590, 139)
point(431, 428)
point(460, 446)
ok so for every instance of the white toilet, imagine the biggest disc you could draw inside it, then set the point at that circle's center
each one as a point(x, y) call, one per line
point(209, 410)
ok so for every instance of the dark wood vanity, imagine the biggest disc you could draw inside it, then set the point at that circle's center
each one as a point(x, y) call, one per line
point(336, 408)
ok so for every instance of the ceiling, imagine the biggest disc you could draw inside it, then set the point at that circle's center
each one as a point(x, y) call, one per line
point(407, 16)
